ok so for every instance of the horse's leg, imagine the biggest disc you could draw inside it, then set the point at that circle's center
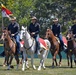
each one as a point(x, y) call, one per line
point(60, 56)
point(32, 62)
point(75, 58)
point(56, 62)
point(10, 60)
point(17, 60)
point(71, 61)
point(43, 56)
point(5, 62)
point(7, 57)
point(21, 58)
point(54, 57)
point(24, 61)
point(39, 68)
point(68, 58)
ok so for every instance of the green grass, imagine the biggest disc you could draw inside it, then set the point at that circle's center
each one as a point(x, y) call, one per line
point(1, 44)
point(63, 70)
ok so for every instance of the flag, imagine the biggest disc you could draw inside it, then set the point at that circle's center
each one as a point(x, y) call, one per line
point(5, 12)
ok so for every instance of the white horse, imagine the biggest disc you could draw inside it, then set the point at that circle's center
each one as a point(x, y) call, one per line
point(30, 47)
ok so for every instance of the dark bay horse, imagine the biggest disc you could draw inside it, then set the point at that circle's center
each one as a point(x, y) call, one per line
point(9, 48)
point(55, 46)
point(71, 48)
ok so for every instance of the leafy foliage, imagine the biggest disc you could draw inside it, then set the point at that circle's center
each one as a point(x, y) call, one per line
point(44, 10)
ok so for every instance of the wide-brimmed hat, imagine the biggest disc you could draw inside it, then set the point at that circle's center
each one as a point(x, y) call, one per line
point(74, 21)
point(12, 18)
point(55, 20)
point(34, 18)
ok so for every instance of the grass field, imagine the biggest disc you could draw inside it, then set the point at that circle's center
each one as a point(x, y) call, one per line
point(63, 70)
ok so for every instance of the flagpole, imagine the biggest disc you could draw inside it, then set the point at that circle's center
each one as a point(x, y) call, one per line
point(2, 24)
point(2, 20)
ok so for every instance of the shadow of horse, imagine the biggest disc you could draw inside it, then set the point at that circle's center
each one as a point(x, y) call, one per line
point(55, 47)
point(9, 48)
point(71, 48)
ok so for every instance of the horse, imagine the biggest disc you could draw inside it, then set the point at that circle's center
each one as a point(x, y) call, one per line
point(10, 49)
point(55, 47)
point(71, 48)
point(30, 48)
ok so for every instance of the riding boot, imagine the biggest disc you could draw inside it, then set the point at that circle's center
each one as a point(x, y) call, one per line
point(38, 49)
point(65, 49)
point(38, 52)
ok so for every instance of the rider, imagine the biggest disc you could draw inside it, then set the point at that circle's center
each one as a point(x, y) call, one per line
point(34, 29)
point(73, 29)
point(56, 28)
point(14, 28)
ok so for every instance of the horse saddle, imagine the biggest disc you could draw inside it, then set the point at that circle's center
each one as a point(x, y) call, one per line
point(74, 44)
point(57, 39)
point(43, 44)
point(14, 41)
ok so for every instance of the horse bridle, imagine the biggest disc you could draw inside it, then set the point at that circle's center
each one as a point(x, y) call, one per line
point(30, 46)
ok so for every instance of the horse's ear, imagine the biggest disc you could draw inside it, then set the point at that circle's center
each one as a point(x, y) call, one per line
point(26, 28)
point(47, 30)
point(22, 27)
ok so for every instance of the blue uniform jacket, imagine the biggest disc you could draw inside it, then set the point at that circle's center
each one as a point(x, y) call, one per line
point(34, 28)
point(14, 29)
point(56, 29)
point(73, 28)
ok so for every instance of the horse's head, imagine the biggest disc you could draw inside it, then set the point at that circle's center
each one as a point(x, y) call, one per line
point(5, 34)
point(69, 35)
point(23, 32)
point(49, 33)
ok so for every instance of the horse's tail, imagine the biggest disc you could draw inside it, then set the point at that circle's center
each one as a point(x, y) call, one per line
point(48, 43)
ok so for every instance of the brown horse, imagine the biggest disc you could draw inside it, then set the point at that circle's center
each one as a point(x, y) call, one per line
point(55, 46)
point(71, 48)
point(9, 48)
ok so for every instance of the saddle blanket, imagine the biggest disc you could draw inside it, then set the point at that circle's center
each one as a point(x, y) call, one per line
point(64, 40)
point(43, 43)
point(22, 43)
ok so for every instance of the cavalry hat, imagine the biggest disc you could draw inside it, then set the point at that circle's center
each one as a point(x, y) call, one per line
point(12, 18)
point(34, 18)
point(55, 20)
point(74, 21)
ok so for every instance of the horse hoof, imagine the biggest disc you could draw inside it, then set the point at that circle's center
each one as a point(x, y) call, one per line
point(34, 67)
point(23, 69)
point(44, 68)
point(52, 66)
point(60, 65)
point(27, 67)
point(4, 65)
point(39, 69)
point(12, 67)
point(8, 68)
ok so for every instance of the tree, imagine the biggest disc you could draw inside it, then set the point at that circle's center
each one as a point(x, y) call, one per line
point(20, 9)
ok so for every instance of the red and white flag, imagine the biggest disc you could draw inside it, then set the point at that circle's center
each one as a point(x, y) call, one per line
point(5, 12)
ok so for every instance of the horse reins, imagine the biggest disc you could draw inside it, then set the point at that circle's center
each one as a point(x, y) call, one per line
point(30, 46)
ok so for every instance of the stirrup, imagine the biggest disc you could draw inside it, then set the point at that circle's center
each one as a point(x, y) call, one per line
point(38, 52)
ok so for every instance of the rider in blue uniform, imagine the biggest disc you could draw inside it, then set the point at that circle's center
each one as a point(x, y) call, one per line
point(34, 29)
point(56, 28)
point(73, 29)
point(14, 28)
